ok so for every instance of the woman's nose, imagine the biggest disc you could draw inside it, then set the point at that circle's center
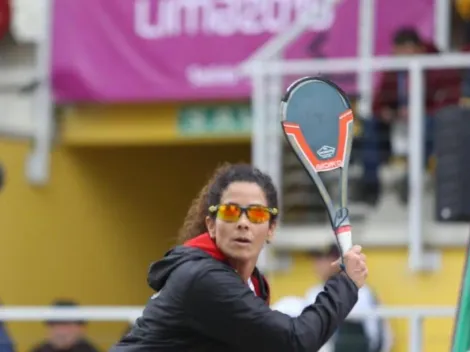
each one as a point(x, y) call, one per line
point(243, 222)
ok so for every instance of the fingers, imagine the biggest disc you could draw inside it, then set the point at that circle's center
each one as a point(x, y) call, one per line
point(356, 266)
point(356, 249)
point(336, 266)
point(359, 258)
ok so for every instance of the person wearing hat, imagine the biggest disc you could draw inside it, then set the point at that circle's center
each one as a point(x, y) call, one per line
point(65, 336)
point(371, 334)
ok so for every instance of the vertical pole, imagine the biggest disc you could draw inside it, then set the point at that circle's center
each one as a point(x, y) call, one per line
point(442, 24)
point(273, 128)
point(259, 134)
point(415, 333)
point(38, 163)
point(258, 101)
point(415, 165)
point(273, 151)
point(366, 53)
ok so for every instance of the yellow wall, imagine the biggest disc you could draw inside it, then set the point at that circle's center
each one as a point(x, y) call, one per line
point(92, 232)
point(132, 125)
point(395, 285)
point(108, 212)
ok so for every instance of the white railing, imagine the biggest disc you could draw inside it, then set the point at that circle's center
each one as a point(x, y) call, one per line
point(415, 315)
point(264, 64)
point(261, 71)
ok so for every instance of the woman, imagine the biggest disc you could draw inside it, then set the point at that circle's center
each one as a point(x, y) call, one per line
point(210, 295)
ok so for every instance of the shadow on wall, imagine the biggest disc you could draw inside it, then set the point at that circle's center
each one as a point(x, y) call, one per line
point(152, 184)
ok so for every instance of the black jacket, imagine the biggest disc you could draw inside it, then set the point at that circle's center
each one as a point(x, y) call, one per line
point(202, 304)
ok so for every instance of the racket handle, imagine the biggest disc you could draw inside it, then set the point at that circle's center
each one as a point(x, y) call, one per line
point(344, 236)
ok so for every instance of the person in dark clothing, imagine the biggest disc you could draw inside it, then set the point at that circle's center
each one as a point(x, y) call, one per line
point(65, 336)
point(210, 295)
point(6, 344)
point(390, 108)
point(465, 88)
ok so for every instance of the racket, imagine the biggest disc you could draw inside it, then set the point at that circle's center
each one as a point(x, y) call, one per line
point(317, 121)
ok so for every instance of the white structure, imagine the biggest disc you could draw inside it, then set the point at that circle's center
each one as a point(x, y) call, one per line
point(29, 114)
point(25, 86)
point(130, 314)
point(264, 68)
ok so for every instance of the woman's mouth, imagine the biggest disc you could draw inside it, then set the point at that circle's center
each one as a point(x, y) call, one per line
point(242, 240)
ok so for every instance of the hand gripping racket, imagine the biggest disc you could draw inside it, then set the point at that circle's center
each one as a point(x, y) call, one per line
point(318, 123)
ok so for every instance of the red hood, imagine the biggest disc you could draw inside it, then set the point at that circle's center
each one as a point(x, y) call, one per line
point(205, 243)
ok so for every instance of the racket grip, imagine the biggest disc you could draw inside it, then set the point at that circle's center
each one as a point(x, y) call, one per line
point(344, 236)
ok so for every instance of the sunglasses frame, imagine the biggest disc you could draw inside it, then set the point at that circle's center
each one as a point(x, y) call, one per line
point(213, 209)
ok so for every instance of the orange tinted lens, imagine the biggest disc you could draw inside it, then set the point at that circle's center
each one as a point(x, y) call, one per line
point(258, 214)
point(229, 212)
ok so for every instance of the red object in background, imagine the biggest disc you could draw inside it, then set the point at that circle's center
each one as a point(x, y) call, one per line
point(5, 17)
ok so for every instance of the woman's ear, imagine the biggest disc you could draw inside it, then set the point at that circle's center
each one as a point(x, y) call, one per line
point(210, 225)
point(272, 229)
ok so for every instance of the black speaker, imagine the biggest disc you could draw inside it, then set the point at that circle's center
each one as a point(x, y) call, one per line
point(452, 150)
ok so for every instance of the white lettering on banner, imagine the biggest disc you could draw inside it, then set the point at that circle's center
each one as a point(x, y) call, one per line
point(201, 76)
point(154, 19)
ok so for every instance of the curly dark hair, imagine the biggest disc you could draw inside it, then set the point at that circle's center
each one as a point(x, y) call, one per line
point(195, 221)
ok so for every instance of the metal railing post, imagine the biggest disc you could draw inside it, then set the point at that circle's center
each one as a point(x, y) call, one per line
point(416, 333)
point(258, 108)
point(273, 129)
point(366, 53)
point(442, 24)
point(259, 138)
point(38, 162)
point(415, 165)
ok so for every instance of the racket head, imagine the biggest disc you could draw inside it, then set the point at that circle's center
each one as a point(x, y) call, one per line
point(319, 115)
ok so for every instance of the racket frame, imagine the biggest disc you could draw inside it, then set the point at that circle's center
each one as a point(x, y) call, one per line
point(338, 217)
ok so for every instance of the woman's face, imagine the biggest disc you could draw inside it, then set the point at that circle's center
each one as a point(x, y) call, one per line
point(241, 240)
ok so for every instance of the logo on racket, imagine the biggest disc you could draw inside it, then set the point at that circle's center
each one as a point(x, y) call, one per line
point(326, 152)
point(326, 158)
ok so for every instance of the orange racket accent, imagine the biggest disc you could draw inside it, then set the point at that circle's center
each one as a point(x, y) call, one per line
point(337, 161)
point(342, 229)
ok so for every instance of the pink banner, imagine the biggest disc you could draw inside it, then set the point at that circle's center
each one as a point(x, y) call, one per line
point(156, 50)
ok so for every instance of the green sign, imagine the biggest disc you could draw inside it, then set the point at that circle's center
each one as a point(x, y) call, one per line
point(234, 120)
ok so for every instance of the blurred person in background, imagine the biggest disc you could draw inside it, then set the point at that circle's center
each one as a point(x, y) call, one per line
point(293, 307)
point(65, 336)
point(386, 133)
point(290, 305)
point(371, 334)
point(6, 343)
point(209, 294)
point(463, 9)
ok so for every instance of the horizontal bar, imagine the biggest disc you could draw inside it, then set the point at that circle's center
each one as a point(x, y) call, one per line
point(13, 313)
point(377, 63)
point(82, 313)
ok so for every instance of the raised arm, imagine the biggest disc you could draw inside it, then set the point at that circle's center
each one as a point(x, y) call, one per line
point(220, 306)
